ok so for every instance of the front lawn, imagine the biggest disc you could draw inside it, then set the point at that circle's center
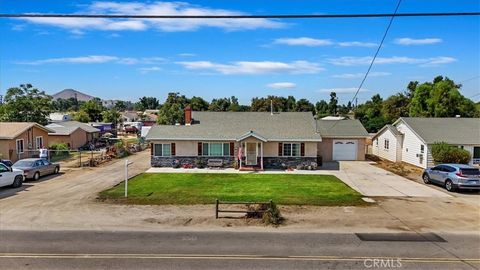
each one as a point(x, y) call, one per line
point(203, 188)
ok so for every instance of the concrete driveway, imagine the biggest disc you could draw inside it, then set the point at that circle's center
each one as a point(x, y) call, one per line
point(373, 181)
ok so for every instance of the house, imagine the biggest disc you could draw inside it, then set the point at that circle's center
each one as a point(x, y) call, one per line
point(254, 139)
point(59, 117)
point(130, 116)
point(410, 139)
point(22, 139)
point(72, 133)
point(342, 139)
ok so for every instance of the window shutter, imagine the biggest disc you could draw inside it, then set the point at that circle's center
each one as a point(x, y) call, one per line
point(302, 149)
point(280, 149)
point(151, 149)
point(232, 149)
point(199, 149)
point(173, 149)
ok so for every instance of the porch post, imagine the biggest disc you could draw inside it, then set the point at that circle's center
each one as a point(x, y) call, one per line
point(261, 155)
point(240, 154)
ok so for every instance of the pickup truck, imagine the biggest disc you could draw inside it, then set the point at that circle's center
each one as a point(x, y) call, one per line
point(10, 177)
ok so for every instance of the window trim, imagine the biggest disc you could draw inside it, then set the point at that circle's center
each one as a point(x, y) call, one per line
point(36, 142)
point(17, 148)
point(386, 144)
point(291, 149)
point(208, 149)
point(155, 154)
point(422, 149)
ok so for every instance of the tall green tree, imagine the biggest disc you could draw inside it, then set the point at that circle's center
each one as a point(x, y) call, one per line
point(112, 116)
point(370, 114)
point(171, 111)
point(396, 106)
point(147, 103)
point(333, 104)
point(94, 109)
point(322, 109)
point(198, 104)
point(303, 105)
point(26, 104)
point(81, 116)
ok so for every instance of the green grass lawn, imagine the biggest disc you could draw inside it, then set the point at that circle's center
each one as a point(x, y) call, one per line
point(203, 188)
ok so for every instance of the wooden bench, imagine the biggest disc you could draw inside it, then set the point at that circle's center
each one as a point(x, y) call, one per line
point(215, 163)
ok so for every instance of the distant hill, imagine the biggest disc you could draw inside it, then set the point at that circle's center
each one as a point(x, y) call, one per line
point(71, 93)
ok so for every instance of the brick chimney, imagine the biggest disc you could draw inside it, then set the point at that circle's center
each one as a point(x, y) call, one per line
point(188, 116)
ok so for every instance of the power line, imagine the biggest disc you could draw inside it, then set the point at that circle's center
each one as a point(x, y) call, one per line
point(378, 50)
point(278, 16)
point(469, 79)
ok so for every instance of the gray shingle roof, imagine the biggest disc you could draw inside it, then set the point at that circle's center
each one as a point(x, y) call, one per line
point(66, 128)
point(281, 126)
point(341, 128)
point(450, 130)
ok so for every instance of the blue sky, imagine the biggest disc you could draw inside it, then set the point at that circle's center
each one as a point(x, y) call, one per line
point(127, 59)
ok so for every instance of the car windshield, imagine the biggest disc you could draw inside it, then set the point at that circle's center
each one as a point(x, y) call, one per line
point(23, 163)
point(471, 171)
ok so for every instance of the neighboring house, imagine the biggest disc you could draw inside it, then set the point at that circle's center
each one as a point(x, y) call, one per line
point(130, 116)
point(410, 139)
point(72, 133)
point(59, 117)
point(22, 139)
point(342, 139)
point(260, 139)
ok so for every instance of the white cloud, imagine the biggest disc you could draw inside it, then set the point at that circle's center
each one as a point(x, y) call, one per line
point(282, 85)
point(95, 59)
point(303, 41)
point(154, 8)
point(354, 61)
point(360, 75)
point(412, 41)
point(187, 54)
point(357, 44)
point(342, 90)
point(260, 67)
point(146, 70)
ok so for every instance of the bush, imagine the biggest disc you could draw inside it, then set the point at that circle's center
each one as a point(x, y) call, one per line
point(442, 152)
point(272, 216)
point(59, 146)
point(200, 163)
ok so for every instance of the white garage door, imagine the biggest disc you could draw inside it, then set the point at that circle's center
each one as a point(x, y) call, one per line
point(344, 149)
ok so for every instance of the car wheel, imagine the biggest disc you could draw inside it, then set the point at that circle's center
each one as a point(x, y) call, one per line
point(36, 176)
point(56, 170)
point(18, 181)
point(449, 185)
point(426, 179)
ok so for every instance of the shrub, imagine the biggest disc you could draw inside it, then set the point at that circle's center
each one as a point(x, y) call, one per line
point(442, 152)
point(200, 163)
point(59, 146)
point(272, 216)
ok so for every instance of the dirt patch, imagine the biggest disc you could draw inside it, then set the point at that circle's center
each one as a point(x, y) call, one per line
point(399, 168)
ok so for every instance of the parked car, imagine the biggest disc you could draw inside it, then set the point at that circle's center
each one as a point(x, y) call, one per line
point(10, 177)
point(34, 168)
point(453, 176)
point(7, 162)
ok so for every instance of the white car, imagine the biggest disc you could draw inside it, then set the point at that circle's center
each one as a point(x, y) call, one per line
point(10, 177)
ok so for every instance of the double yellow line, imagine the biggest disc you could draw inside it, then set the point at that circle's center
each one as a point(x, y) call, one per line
point(230, 257)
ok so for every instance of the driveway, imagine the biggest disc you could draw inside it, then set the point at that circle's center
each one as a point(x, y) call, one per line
point(373, 181)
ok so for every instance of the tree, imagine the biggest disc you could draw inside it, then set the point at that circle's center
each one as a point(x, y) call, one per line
point(198, 104)
point(321, 108)
point(370, 114)
point(442, 152)
point(220, 105)
point(147, 103)
point(171, 111)
point(94, 109)
point(395, 106)
point(303, 105)
point(26, 104)
point(66, 105)
point(120, 106)
point(332, 106)
point(112, 116)
point(81, 116)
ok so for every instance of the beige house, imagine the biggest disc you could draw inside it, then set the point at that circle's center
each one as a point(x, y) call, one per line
point(72, 133)
point(22, 139)
point(252, 140)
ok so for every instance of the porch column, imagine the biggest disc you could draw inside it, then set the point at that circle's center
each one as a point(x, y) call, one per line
point(261, 155)
point(240, 154)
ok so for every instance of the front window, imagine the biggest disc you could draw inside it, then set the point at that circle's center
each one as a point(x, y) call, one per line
point(162, 150)
point(476, 152)
point(20, 146)
point(386, 144)
point(39, 142)
point(291, 149)
point(422, 149)
point(216, 149)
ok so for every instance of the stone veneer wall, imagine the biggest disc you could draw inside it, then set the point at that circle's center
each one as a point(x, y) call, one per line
point(280, 162)
point(268, 162)
point(168, 161)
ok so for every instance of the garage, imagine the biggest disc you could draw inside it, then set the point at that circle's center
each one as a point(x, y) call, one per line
point(344, 150)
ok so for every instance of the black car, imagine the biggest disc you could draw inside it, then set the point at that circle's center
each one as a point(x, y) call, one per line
point(6, 162)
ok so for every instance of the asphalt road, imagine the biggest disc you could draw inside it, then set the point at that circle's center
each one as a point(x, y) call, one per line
point(228, 250)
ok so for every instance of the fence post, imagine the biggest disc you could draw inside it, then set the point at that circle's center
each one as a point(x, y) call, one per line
point(216, 208)
point(80, 157)
point(270, 204)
